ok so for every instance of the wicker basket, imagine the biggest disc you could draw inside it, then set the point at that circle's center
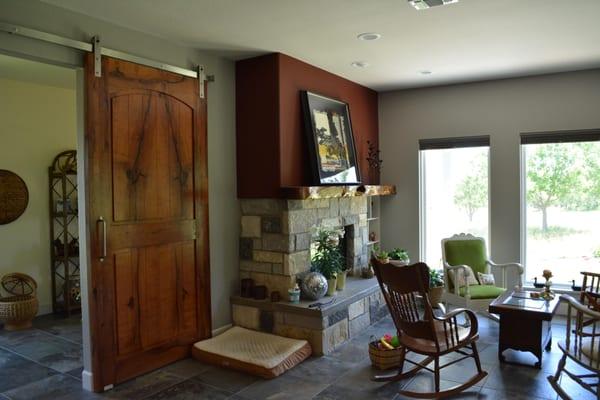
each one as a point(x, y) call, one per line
point(19, 308)
point(384, 359)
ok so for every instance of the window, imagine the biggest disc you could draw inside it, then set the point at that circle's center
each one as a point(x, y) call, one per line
point(454, 182)
point(561, 204)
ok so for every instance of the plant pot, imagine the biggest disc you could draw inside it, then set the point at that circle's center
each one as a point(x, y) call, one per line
point(435, 295)
point(331, 285)
point(341, 280)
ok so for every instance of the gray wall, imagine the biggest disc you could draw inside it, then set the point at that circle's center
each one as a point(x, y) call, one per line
point(502, 109)
point(224, 210)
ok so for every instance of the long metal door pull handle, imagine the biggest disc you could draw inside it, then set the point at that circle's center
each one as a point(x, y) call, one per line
point(103, 247)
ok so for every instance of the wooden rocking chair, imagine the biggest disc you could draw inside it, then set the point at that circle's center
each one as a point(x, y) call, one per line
point(581, 346)
point(406, 293)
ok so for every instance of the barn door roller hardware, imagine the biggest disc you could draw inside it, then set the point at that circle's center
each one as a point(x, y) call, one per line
point(96, 47)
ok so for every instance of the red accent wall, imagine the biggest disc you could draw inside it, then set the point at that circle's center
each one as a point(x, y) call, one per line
point(271, 141)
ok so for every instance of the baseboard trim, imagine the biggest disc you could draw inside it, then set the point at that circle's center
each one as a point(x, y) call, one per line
point(218, 331)
point(87, 379)
point(44, 309)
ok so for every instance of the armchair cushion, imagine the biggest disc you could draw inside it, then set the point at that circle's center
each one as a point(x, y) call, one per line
point(486, 279)
point(467, 252)
point(483, 291)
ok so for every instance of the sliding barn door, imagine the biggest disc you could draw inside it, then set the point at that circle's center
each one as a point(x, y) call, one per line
point(148, 218)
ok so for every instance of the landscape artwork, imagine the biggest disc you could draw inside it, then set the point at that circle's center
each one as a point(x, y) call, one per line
point(330, 139)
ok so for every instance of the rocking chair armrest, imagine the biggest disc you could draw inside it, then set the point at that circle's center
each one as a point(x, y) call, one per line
point(452, 314)
point(580, 307)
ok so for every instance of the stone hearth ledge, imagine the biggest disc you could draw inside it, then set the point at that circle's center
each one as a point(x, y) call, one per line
point(358, 306)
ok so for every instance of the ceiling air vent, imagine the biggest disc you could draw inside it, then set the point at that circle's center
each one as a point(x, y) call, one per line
point(425, 4)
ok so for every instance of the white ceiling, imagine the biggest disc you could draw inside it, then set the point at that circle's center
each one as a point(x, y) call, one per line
point(20, 69)
point(468, 41)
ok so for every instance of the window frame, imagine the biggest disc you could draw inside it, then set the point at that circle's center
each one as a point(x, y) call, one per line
point(441, 144)
point(528, 138)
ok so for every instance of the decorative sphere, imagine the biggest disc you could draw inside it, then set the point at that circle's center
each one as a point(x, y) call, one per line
point(314, 286)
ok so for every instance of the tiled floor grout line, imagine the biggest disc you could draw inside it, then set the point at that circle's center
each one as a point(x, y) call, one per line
point(58, 336)
point(35, 362)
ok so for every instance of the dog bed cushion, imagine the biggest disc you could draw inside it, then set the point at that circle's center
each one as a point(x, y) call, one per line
point(256, 353)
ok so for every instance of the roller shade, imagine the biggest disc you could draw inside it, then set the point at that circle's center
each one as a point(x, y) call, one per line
point(589, 135)
point(455, 142)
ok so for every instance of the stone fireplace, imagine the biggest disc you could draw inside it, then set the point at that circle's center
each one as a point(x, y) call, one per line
point(275, 242)
point(276, 236)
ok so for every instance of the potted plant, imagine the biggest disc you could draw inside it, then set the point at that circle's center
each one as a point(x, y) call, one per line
point(381, 255)
point(400, 256)
point(436, 287)
point(328, 258)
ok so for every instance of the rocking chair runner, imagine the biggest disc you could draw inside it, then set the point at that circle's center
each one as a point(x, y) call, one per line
point(420, 331)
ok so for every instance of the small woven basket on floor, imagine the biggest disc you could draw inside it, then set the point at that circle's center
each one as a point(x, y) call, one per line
point(383, 359)
point(19, 308)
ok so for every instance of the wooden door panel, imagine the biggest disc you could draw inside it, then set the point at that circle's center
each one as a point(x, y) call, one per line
point(152, 233)
point(152, 136)
point(147, 178)
point(158, 296)
point(188, 318)
point(126, 299)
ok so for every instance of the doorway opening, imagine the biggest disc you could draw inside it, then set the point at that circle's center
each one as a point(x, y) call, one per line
point(42, 249)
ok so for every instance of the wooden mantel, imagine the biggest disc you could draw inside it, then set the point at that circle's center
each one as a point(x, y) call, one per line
point(326, 192)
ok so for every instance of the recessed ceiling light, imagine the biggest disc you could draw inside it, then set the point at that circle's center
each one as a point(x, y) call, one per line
point(425, 72)
point(369, 36)
point(425, 4)
point(360, 64)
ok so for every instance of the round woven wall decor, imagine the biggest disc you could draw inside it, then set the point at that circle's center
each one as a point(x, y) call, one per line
point(14, 196)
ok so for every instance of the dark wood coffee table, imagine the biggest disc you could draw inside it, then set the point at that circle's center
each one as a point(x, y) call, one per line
point(526, 326)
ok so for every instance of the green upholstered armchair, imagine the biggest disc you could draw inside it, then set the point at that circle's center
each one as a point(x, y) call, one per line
point(463, 250)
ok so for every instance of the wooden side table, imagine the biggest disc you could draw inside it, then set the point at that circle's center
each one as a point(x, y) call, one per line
point(525, 324)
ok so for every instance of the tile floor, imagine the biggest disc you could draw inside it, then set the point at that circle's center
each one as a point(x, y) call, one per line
point(45, 363)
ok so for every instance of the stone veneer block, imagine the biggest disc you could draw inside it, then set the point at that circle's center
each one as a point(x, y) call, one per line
point(295, 263)
point(246, 317)
point(299, 221)
point(332, 222)
point(318, 203)
point(254, 266)
point(271, 224)
point(246, 247)
point(338, 316)
point(314, 337)
point(250, 227)
point(303, 241)
point(304, 321)
point(377, 307)
point(278, 269)
point(344, 206)
point(359, 324)
point(273, 282)
point(355, 309)
point(335, 335)
point(358, 205)
point(261, 206)
point(278, 242)
point(334, 207)
point(267, 256)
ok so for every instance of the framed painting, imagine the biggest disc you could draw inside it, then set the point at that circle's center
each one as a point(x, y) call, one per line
point(330, 140)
